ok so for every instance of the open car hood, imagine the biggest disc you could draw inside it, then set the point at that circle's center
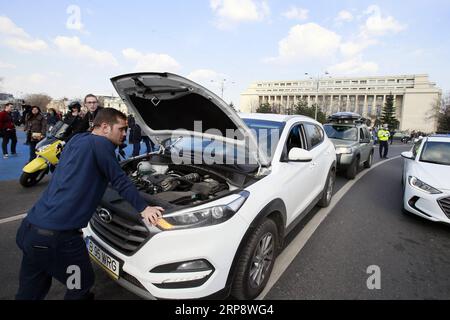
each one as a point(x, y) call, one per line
point(167, 105)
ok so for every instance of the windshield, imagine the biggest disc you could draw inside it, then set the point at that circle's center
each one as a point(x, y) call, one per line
point(436, 152)
point(58, 130)
point(341, 132)
point(211, 151)
point(267, 134)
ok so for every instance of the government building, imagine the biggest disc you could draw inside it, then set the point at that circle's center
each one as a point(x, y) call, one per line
point(414, 97)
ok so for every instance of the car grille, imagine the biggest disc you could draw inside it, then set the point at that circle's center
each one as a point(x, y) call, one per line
point(123, 235)
point(445, 206)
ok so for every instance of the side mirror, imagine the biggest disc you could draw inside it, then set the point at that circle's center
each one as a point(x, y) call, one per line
point(408, 155)
point(299, 155)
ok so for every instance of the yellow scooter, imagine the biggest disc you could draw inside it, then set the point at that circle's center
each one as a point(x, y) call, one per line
point(48, 152)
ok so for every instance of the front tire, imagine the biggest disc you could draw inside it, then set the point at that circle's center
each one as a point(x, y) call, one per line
point(256, 262)
point(30, 179)
point(352, 170)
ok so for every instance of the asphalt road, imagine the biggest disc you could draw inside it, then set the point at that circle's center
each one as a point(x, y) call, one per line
point(367, 227)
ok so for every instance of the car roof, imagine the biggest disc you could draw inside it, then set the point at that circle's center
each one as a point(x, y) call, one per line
point(274, 117)
point(439, 138)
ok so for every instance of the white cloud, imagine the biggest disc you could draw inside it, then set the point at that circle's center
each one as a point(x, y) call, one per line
point(354, 66)
point(155, 62)
point(26, 45)
point(353, 48)
point(296, 13)
point(377, 25)
point(9, 28)
point(305, 42)
point(73, 47)
point(4, 65)
point(231, 12)
point(17, 39)
point(344, 16)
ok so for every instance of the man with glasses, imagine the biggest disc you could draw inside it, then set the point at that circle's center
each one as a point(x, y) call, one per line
point(91, 103)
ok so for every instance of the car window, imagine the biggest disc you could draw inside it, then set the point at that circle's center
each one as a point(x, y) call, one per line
point(294, 139)
point(314, 134)
point(416, 147)
point(361, 134)
point(366, 133)
point(436, 152)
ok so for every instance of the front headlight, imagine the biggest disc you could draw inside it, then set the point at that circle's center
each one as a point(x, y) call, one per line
point(422, 186)
point(343, 150)
point(204, 217)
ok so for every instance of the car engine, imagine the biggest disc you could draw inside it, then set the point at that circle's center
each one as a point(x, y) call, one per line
point(174, 186)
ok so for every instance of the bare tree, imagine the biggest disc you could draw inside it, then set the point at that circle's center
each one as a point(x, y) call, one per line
point(440, 112)
point(40, 100)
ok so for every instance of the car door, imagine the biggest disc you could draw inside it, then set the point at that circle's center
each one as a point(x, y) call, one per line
point(364, 141)
point(321, 155)
point(295, 178)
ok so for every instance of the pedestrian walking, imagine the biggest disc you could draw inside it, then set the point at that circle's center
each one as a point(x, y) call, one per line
point(36, 128)
point(50, 236)
point(8, 131)
point(383, 137)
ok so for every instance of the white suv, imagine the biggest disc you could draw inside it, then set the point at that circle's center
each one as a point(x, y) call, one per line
point(229, 200)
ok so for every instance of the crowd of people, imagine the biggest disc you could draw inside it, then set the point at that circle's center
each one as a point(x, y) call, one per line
point(35, 123)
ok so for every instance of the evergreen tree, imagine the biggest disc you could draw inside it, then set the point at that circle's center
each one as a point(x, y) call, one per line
point(264, 108)
point(388, 113)
point(302, 108)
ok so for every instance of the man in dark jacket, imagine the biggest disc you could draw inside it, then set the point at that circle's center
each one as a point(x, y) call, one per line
point(8, 131)
point(91, 103)
point(73, 119)
point(50, 236)
point(135, 136)
point(36, 127)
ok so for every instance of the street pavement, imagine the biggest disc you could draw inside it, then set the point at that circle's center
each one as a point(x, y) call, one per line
point(367, 227)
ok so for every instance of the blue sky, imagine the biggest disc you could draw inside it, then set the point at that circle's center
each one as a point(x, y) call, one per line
point(70, 48)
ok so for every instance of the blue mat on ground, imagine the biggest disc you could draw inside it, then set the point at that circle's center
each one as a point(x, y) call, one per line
point(11, 168)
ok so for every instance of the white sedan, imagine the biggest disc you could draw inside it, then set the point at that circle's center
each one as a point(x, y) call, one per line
point(426, 178)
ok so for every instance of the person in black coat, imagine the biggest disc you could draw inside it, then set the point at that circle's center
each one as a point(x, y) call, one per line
point(135, 136)
point(73, 119)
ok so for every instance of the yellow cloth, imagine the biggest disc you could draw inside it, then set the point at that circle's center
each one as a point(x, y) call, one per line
point(383, 135)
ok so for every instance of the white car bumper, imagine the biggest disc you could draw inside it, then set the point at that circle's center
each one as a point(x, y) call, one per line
point(429, 206)
point(216, 244)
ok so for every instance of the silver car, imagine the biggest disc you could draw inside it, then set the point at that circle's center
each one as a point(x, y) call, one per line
point(353, 143)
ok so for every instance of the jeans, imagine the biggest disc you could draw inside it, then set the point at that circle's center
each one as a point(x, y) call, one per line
point(384, 148)
point(32, 150)
point(136, 149)
point(148, 143)
point(9, 135)
point(51, 254)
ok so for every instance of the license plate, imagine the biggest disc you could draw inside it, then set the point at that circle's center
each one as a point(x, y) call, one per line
point(110, 264)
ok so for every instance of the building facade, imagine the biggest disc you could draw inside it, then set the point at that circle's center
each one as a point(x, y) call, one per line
point(414, 97)
point(113, 102)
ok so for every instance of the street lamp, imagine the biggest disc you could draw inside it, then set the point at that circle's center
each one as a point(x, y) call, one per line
point(222, 85)
point(317, 79)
